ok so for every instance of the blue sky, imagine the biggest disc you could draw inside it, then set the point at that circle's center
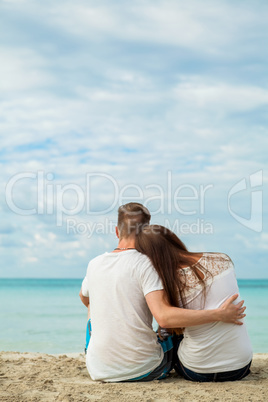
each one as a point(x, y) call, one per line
point(109, 101)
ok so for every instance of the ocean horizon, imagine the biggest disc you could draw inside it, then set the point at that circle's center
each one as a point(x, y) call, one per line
point(47, 316)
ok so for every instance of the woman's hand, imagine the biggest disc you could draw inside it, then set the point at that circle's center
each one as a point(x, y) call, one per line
point(232, 313)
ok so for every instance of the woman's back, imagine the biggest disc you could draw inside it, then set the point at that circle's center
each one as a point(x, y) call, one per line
point(218, 346)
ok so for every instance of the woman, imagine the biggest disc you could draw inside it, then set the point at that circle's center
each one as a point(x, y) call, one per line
point(210, 352)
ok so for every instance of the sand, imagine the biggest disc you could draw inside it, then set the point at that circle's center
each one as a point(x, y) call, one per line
point(41, 377)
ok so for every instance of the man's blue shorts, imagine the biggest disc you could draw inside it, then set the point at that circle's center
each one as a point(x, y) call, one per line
point(88, 334)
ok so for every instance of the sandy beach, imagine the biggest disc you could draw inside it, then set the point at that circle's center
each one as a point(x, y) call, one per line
point(42, 377)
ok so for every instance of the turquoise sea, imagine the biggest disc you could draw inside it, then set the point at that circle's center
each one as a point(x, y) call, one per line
point(46, 315)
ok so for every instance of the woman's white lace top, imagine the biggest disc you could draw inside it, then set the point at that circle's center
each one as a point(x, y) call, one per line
point(218, 346)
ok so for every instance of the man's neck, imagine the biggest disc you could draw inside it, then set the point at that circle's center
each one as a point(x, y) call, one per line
point(125, 243)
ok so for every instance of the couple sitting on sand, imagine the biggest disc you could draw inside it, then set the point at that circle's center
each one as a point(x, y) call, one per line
point(151, 273)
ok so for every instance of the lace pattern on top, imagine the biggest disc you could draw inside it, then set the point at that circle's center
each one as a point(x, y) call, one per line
point(214, 264)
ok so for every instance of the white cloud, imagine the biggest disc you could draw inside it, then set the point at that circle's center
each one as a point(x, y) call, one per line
point(23, 69)
point(220, 97)
point(259, 242)
point(211, 27)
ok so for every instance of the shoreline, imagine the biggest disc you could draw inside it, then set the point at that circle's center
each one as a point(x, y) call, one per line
point(64, 377)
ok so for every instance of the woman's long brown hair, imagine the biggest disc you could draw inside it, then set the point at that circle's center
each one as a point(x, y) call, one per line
point(168, 255)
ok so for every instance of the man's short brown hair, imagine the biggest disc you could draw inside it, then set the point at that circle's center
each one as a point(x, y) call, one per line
point(131, 219)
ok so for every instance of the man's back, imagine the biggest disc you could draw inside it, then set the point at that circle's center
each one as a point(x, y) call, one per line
point(123, 344)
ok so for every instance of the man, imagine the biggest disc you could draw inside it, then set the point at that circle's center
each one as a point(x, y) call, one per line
point(125, 291)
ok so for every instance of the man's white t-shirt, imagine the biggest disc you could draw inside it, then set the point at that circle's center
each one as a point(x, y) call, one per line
point(123, 344)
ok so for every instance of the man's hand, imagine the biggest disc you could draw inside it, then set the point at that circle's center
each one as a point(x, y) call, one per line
point(84, 299)
point(232, 313)
point(173, 317)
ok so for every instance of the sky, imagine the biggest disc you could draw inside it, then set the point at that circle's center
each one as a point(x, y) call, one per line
point(159, 102)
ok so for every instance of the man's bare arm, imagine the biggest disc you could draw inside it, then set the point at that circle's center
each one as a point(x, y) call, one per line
point(84, 299)
point(172, 317)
